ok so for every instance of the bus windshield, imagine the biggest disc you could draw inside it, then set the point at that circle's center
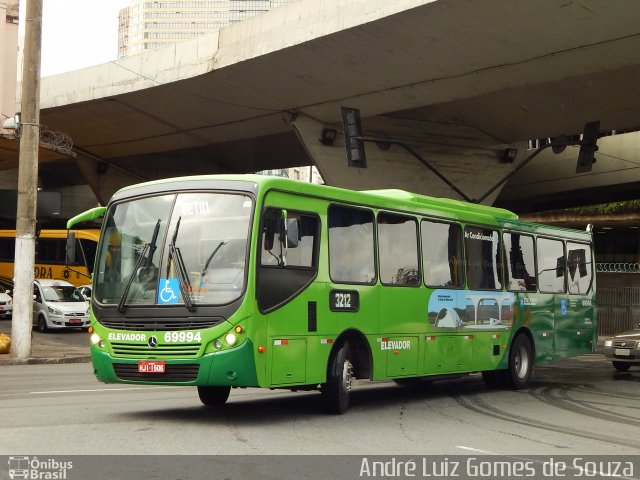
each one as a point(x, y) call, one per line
point(168, 249)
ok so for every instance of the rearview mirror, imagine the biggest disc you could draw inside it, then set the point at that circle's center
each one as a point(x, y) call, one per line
point(70, 249)
point(291, 234)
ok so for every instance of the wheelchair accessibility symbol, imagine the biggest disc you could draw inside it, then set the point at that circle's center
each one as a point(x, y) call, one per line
point(563, 307)
point(169, 291)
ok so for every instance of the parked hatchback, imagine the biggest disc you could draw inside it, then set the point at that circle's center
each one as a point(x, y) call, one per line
point(624, 349)
point(58, 304)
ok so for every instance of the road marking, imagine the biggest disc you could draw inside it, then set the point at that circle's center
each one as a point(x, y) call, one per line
point(475, 450)
point(101, 390)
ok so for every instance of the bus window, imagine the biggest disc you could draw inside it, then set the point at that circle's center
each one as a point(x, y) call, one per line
point(7, 249)
point(89, 250)
point(520, 262)
point(398, 249)
point(300, 255)
point(442, 254)
point(579, 267)
point(129, 227)
point(484, 266)
point(351, 247)
point(279, 282)
point(50, 250)
point(550, 265)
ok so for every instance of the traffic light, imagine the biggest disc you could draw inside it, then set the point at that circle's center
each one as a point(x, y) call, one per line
point(352, 138)
point(588, 147)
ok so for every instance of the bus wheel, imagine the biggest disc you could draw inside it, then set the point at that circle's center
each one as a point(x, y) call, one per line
point(518, 374)
point(621, 366)
point(337, 391)
point(42, 324)
point(213, 395)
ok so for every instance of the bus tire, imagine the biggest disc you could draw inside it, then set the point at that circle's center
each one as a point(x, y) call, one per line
point(42, 324)
point(336, 392)
point(517, 376)
point(213, 395)
point(621, 366)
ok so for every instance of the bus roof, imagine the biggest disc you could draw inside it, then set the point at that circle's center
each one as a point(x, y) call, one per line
point(392, 199)
point(388, 198)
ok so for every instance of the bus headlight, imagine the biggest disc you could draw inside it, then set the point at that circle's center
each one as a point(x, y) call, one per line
point(217, 344)
point(96, 340)
point(230, 339)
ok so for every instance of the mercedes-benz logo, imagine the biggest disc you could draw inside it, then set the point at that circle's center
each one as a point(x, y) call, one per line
point(153, 341)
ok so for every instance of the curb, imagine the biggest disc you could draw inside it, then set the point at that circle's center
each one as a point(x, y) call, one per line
point(45, 360)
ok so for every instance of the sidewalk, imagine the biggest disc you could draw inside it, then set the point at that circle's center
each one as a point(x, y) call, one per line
point(69, 346)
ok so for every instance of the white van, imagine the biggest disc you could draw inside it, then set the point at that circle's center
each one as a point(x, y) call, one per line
point(58, 304)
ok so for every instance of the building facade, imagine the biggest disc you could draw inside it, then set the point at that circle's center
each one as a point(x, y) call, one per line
point(307, 174)
point(8, 57)
point(147, 25)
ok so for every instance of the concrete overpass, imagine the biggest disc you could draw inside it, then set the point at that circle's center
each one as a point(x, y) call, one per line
point(458, 80)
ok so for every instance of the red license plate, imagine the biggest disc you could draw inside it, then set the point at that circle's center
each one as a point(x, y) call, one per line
point(151, 366)
point(75, 321)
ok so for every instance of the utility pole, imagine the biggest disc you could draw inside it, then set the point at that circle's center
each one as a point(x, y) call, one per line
point(27, 184)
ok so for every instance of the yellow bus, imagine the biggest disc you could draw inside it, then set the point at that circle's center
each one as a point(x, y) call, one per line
point(51, 253)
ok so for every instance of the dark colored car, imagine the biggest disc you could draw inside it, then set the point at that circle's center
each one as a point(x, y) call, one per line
point(624, 349)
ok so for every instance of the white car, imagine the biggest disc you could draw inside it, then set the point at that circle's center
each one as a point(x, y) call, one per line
point(58, 304)
point(6, 303)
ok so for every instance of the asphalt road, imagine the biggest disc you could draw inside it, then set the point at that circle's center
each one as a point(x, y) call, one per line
point(580, 407)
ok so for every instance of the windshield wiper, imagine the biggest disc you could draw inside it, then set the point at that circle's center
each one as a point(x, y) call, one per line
point(151, 246)
point(213, 254)
point(183, 276)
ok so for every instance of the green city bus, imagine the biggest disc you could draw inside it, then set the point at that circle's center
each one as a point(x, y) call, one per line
point(254, 281)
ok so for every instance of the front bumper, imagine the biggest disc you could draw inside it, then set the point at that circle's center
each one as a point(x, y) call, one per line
point(626, 355)
point(65, 322)
point(234, 367)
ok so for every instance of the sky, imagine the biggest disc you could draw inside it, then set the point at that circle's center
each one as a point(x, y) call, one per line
point(77, 33)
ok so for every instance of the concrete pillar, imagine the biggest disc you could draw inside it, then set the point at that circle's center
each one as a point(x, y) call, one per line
point(103, 178)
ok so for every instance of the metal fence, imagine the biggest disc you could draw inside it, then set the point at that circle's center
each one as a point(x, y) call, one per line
point(618, 267)
point(618, 309)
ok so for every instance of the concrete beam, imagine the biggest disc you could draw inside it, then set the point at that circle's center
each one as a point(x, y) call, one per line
point(473, 170)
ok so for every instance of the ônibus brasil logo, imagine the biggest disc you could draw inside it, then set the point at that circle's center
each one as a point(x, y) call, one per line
point(40, 469)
